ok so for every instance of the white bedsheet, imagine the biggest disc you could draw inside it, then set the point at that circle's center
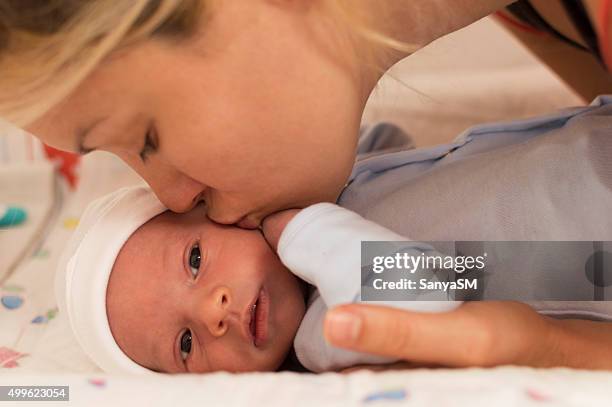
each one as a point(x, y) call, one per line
point(473, 387)
point(32, 187)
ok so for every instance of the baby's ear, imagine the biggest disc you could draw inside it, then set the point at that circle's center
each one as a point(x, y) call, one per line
point(273, 225)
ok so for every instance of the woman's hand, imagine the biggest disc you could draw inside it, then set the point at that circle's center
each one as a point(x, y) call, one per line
point(475, 334)
point(274, 224)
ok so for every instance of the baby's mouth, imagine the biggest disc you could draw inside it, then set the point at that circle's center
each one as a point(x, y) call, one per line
point(258, 322)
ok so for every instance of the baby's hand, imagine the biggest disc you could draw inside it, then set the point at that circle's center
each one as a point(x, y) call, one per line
point(274, 224)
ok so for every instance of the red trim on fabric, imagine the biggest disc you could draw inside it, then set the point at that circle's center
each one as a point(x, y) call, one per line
point(68, 163)
point(517, 24)
point(603, 17)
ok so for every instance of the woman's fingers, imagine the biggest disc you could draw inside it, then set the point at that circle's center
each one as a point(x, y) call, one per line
point(475, 334)
point(401, 334)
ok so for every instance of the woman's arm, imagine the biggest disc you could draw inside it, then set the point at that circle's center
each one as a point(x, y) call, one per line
point(475, 334)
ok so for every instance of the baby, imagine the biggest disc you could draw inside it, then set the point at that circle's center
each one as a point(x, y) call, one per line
point(188, 295)
point(146, 289)
point(175, 292)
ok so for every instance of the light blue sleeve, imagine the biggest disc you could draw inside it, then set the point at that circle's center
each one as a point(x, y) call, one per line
point(322, 246)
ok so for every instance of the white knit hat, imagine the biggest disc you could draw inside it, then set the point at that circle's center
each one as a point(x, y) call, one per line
point(85, 267)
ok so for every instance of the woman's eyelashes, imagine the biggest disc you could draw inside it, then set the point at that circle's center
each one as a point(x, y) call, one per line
point(185, 345)
point(195, 256)
point(151, 141)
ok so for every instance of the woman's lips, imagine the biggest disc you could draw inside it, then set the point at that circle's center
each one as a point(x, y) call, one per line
point(248, 222)
point(258, 318)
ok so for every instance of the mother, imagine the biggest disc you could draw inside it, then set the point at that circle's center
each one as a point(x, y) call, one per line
point(252, 106)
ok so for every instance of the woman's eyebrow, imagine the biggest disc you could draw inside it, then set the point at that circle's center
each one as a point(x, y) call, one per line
point(82, 133)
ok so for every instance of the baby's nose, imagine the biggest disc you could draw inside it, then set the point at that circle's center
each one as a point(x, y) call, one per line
point(217, 311)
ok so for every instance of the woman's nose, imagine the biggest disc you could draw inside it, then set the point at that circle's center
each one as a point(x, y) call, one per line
point(180, 194)
point(216, 311)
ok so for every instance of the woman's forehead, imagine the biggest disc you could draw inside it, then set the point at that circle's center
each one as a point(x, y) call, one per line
point(122, 83)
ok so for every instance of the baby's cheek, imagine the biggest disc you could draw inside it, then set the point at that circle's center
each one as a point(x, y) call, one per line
point(293, 309)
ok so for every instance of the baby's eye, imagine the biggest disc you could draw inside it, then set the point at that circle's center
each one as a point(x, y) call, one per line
point(194, 260)
point(185, 344)
point(150, 144)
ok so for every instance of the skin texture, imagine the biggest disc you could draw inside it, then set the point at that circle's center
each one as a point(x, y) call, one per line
point(274, 225)
point(153, 297)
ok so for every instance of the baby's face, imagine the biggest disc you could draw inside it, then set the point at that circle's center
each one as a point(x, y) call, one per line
point(189, 295)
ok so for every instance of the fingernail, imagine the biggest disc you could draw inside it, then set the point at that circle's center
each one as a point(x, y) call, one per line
point(342, 327)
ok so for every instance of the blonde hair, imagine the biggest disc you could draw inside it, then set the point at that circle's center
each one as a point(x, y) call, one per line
point(48, 47)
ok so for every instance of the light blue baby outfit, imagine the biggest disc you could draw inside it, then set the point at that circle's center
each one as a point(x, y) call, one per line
point(547, 178)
